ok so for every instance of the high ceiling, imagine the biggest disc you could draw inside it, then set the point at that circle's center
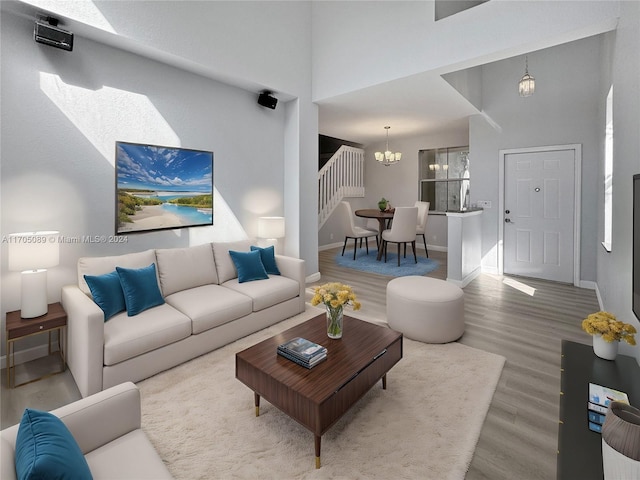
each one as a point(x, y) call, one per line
point(419, 104)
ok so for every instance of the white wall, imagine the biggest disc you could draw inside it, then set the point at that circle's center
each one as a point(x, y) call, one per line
point(614, 269)
point(396, 39)
point(252, 45)
point(398, 183)
point(245, 43)
point(61, 115)
point(563, 110)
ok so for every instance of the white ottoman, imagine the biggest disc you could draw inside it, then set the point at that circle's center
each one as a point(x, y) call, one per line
point(425, 309)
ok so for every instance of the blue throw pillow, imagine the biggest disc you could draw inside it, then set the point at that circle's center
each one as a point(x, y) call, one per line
point(249, 266)
point(140, 287)
point(45, 448)
point(268, 257)
point(107, 293)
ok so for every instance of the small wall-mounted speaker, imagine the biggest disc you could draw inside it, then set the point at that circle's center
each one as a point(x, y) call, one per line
point(46, 31)
point(266, 100)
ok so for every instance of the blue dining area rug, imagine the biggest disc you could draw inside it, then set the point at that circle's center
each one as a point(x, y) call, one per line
point(368, 263)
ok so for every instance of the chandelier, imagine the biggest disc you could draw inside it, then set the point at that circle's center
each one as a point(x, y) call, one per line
point(388, 158)
point(527, 84)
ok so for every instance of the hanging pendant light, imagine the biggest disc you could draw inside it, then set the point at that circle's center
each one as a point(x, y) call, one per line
point(527, 84)
point(387, 157)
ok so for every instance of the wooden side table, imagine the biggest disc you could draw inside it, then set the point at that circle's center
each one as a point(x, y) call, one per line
point(17, 328)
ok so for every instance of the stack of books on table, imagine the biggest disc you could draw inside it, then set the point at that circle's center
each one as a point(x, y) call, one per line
point(599, 399)
point(302, 351)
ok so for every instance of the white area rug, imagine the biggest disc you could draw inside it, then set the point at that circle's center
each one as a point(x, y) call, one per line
point(424, 426)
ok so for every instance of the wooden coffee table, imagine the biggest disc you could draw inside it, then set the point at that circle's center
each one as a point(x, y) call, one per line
point(317, 398)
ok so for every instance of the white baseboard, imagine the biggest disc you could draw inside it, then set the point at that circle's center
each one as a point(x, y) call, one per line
point(466, 280)
point(598, 296)
point(314, 277)
point(23, 356)
point(329, 246)
point(491, 270)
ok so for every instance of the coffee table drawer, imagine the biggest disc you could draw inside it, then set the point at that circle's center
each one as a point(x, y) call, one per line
point(349, 393)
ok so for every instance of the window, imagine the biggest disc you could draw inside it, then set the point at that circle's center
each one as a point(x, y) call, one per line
point(444, 178)
point(608, 172)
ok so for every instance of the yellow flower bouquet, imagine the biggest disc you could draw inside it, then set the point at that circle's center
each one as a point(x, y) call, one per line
point(611, 329)
point(335, 296)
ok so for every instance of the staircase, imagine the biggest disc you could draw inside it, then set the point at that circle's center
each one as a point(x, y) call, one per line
point(342, 176)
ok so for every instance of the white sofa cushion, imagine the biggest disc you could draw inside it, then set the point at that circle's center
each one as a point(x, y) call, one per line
point(183, 268)
point(210, 305)
point(266, 293)
point(127, 337)
point(224, 264)
point(127, 457)
point(102, 265)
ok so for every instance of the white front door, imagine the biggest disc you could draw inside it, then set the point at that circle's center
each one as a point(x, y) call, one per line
point(538, 214)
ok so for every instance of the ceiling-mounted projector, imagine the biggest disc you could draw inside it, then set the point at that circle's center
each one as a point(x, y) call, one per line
point(47, 32)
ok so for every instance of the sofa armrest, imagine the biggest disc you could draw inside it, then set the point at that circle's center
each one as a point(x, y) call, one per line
point(7, 453)
point(85, 339)
point(293, 268)
point(103, 417)
point(93, 421)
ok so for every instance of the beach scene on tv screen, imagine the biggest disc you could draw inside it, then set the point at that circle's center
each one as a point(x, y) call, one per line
point(162, 187)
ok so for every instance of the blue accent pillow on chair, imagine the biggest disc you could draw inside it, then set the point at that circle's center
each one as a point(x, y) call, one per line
point(45, 448)
point(249, 266)
point(140, 287)
point(268, 257)
point(107, 293)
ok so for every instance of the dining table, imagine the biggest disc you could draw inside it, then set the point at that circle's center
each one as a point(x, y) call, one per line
point(383, 217)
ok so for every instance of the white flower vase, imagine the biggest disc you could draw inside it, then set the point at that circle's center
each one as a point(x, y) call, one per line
point(621, 442)
point(604, 349)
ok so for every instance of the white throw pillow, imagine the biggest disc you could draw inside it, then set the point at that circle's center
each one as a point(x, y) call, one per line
point(224, 264)
point(102, 265)
point(183, 268)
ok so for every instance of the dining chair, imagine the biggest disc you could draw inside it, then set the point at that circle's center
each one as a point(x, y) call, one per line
point(423, 215)
point(353, 231)
point(402, 231)
point(373, 225)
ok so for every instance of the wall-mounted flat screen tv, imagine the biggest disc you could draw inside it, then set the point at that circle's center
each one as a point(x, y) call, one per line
point(159, 188)
point(636, 246)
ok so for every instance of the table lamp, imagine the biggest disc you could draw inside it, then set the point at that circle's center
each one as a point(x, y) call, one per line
point(270, 229)
point(31, 253)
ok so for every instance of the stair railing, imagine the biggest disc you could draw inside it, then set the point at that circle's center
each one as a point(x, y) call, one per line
point(342, 176)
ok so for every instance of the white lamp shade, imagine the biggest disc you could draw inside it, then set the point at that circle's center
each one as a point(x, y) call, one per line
point(271, 227)
point(33, 250)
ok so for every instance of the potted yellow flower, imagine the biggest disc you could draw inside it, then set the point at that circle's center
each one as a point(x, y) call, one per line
point(607, 331)
point(335, 296)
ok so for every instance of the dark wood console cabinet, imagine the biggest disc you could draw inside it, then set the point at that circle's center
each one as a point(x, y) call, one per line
point(580, 449)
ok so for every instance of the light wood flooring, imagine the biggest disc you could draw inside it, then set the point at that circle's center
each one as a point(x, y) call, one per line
point(523, 320)
point(525, 325)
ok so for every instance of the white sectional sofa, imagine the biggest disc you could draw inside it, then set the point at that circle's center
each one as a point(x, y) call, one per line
point(206, 307)
point(107, 428)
